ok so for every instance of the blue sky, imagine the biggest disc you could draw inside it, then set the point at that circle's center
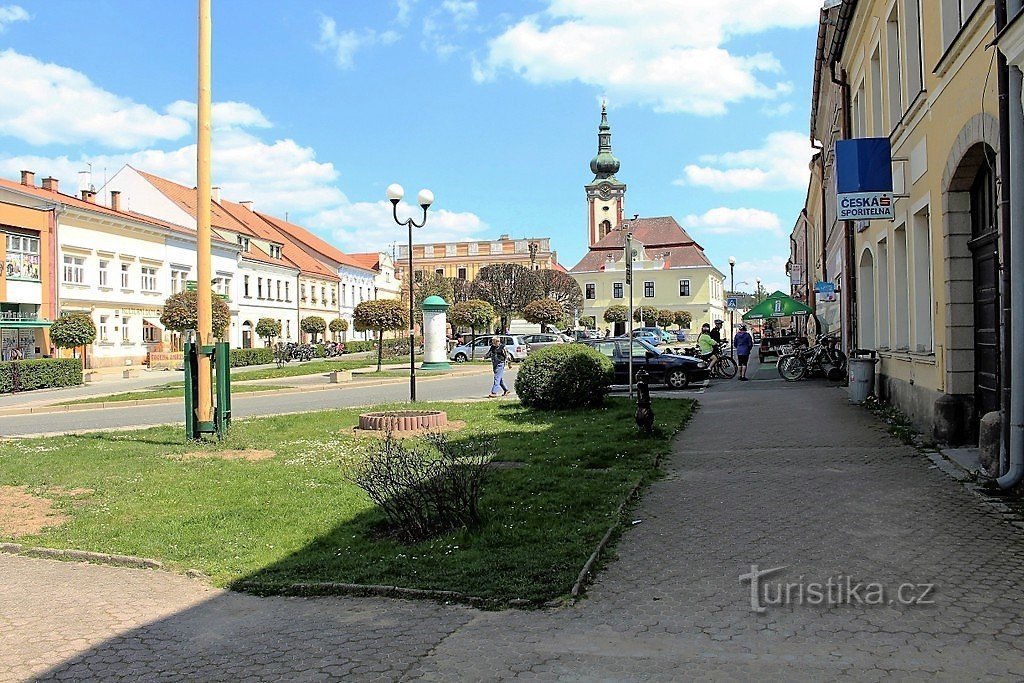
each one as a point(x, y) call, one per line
point(492, 104)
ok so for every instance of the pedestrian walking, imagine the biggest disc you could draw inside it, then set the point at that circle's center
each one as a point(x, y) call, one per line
point(744, 344)
point(500, 359)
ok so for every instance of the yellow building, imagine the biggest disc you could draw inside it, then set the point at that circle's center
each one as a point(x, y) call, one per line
point(922, 291)
point(463, 260)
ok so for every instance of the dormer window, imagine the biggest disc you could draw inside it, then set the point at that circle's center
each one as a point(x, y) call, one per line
point(243, 242)
point(275, 251)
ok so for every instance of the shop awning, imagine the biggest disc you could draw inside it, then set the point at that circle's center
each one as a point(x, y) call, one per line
point(155, 322)
point(23, 324)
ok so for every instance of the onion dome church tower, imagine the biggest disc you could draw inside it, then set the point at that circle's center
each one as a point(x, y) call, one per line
point(606, 194)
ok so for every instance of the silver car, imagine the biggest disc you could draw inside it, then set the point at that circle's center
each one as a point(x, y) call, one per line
point(540, 341)
point(515, 344)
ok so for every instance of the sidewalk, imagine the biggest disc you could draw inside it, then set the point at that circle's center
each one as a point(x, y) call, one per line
point(768, 473)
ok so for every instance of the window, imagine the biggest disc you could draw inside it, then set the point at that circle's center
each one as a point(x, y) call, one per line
point(439, 271)
point(323, 294)
point(462, 273)
point(259, 288)
point(278, 290)
point(882, 315)
point(74, 270)
point(648, 289)
point(591, 292)
point(178, 280)
point(418, 276)
point(334, 296)
point(877, 124)
point(287, 294)
point(894, 68)
point(312, 293)
point(150, 335)
point(955, 14)
point(303, 292)
point(684, 288)
point(901, 288)
point(606, 348)
point(922, 246)
point(148, 279)
point(859, 114)
point(912, 38)
point(103, 331)
point(344, 292)
point(275, 251)
point(243, 242)
point(616, 290)
point(104, 273)
point(125, 273)
point(245, 287)
point(125, 337)
point(288, 328)
point(22, 257)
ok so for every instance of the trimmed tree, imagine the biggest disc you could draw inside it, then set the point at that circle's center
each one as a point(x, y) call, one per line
point(665, 318)
point(563, 288)
point(433, 285)
point(648, 315)
point(474, 314)
point(72, 330)
point(181, 312)
point(683, 319)
point(338, 325)
point(544, 312)
point(461, 290)
point(616, 313)
point(267, 329)
point(380, 315)
point(313, 325)
point(588, 321)
point(508, 287)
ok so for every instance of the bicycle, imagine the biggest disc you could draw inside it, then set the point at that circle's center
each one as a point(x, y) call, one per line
point(724, 368)
point(824, 357)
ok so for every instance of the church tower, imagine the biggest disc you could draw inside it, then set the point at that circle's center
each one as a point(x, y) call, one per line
point(606, 195)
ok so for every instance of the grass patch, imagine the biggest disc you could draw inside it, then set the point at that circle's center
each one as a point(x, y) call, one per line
point(295, 517)
point(314, 367)
point(174, 390)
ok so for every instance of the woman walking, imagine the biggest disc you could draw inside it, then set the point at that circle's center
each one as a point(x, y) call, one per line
point(500, 359)
point(744, 344)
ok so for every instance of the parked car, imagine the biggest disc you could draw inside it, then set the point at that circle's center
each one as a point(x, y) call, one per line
point(658, 335)
point(680, 335)
point(515, 344)
point(664, 368)
point(540, 341)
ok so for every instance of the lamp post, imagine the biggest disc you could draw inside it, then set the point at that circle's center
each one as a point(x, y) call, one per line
point(533, 255)
point(628, 255)
point(757, 300)
point(425, 198)
point(732, 311)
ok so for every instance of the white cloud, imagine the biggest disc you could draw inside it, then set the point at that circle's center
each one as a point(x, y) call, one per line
point(770, 270)
point(669, 54)
point(726, 221)
point(366, 226)
point(47, 104)
point(345, 44)
point(10, 14)
point(445, 22)
point(781, 163)
point(404, 10)
point(224, 114)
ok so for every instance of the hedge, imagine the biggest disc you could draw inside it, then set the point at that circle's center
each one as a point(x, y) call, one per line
point(564, 376)
point(40, 373)
point(254, 356)
point(357, 346)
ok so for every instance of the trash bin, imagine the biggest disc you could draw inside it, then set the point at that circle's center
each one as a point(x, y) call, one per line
point(862, 376)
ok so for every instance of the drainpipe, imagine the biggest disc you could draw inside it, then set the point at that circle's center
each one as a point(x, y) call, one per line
point(1015, 163)
point(850, 276)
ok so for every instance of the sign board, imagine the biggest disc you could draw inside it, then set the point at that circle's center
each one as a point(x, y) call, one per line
point(190, 285)
point(826, 291)
point(796, 274)
point(864, 180)
point(732, 303)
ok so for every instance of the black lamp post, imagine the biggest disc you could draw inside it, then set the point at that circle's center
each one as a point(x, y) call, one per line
point(425, 198)
point(732, 311)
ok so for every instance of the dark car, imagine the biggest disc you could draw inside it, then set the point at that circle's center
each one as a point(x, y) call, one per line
point(665, 368)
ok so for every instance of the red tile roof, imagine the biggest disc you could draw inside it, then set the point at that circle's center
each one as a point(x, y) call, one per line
point(370, 260)
point(311, 241)
point(660, 236)
point(291, 253)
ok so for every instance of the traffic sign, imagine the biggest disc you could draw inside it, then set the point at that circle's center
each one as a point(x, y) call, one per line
point(732, 303)
point(191, 285)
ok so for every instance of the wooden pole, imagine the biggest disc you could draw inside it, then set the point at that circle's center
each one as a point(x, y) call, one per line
point(203, 210)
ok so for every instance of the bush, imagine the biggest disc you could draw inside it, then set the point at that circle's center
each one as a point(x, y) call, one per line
point(357, 346)
point(428, 489)
point(41, 373)
point(564, 376)
point(259, 356)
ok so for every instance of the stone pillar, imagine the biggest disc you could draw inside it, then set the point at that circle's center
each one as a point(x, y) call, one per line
point(435, 325)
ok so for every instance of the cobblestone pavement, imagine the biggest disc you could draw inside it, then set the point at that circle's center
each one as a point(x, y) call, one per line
point(767, 473)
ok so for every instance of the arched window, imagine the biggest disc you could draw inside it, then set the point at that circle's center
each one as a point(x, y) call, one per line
point(606, 227)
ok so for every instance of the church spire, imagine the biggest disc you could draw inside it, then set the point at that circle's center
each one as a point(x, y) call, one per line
point(604, 165)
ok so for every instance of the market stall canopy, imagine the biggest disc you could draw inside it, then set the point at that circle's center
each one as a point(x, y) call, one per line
point(777, 305)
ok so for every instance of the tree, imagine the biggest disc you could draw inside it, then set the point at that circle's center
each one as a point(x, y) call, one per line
point(461, 290)
point(434, 285)
point(313, 325)
point(588, 321)
point(338, 325)
point(563, 288)
point(666, 317)
point(683, 319)
point(72, 330)
point(616, 313)
point(268, 328)
point(544, 312)
point(508, 287)
point(474, 314)
point(181, 312)
point(648, 315)
point(380, 315)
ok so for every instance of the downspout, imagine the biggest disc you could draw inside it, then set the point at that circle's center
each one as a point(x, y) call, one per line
point(850, 275)
point(1015, 163)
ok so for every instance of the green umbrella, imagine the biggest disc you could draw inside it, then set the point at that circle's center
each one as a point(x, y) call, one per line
point(777, 305)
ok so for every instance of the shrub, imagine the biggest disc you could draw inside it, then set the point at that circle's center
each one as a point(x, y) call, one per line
point(357, 346)
point(39, 373)
point(564, 376)
point(267, 329)
point(666, 318)
point(648, 315)
point(616, 313)
point(683, 319)
point(588, 321)
point(426, 489)
point(258, 356)
point(72, 330)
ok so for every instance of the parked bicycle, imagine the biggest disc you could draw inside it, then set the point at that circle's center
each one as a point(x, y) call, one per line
point(825, 358)
point(724, 368)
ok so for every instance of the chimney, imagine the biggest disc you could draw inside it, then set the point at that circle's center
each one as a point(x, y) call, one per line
point(89, 196)
point(215, 194)
point(50, 184)
point(247, 204)
point(115, 200)
point(28, 178)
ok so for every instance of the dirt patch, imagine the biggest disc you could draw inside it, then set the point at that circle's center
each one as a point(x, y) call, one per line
point(451, 426)
point(250, 455)
point(22, 513)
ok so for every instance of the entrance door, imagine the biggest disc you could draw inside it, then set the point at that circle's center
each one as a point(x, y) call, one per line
point(984, 253)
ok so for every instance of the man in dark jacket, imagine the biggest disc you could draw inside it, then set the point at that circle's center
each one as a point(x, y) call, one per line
point(716, 331)
point(744, 344)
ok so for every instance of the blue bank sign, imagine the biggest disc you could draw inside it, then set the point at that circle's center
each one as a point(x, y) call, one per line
point(864, 179)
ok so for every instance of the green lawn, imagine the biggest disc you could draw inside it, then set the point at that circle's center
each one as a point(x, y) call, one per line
point(296, 518)
point(313, 367)
point(172, 390)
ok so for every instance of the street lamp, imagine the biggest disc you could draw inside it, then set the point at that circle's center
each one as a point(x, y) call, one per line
point(533, 255)
point(732, 289)
point(425, 198)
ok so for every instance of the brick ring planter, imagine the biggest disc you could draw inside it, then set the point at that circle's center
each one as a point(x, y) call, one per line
point(403, 420)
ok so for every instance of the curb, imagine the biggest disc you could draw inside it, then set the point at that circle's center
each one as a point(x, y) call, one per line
point(81, 556)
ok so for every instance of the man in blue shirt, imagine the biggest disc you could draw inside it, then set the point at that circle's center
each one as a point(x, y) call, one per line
point(744, 344)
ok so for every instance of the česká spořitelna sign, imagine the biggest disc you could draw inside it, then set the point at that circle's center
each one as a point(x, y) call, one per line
point(864, 180)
